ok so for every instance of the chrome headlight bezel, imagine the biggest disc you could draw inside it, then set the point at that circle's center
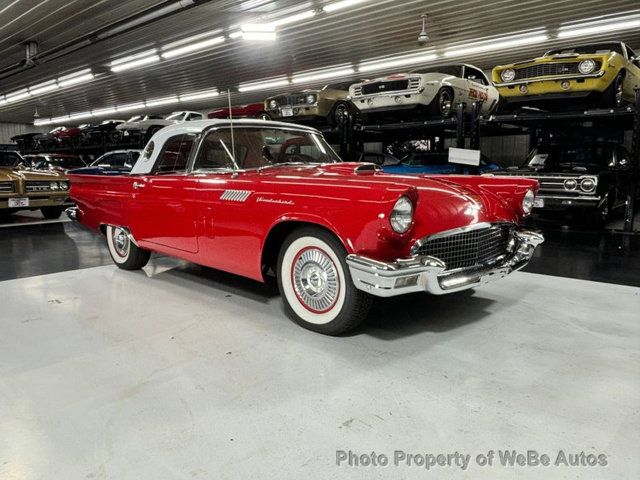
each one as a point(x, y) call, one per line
point(587, 66)
point(401, 217)
point(528, 201)
point(508, 75)
point(591, 188)
point(64, 185)
point(570, 184)
point(54, 186)
point(311, 99)
point(273, 104)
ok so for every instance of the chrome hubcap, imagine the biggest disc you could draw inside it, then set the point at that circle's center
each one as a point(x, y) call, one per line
point(619, 93)
point(315, 280)
point(445, 103)
point(121, 242)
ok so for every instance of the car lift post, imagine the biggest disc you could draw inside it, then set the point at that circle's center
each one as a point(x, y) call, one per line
point(475, 127)
point(630, 209)
point(460, 116)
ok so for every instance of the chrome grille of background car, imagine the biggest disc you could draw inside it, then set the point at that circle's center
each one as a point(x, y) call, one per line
point(468, 249)
point(38, 186)
point(6, 187)
point(550, 68)
point(290, 100)
point(389, 86)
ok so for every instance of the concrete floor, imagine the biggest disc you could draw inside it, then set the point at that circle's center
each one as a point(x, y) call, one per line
point(193, 373)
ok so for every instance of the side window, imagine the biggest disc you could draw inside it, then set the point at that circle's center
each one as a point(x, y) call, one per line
point(194, 116)
point(474, 75)
point(175, 154)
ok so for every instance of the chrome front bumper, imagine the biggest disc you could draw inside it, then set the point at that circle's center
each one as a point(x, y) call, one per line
point(424, 273)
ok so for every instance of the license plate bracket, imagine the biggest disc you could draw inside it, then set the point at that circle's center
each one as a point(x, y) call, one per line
point(18, 202)
point(287, 111)
point(538, 203)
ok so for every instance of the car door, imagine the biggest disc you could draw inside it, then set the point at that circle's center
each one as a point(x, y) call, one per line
point(163, 205)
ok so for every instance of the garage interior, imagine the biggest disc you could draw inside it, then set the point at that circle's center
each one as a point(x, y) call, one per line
point(184, 371)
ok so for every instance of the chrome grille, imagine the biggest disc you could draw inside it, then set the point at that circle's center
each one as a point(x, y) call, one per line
point(550, 69)
point(38, 186)
point(292, 100)
point(389, 86)
point(6, 187)
point(467, 249)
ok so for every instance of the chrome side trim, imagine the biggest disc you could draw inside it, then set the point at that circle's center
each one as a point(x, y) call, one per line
point(427, 274)
point(550, 78)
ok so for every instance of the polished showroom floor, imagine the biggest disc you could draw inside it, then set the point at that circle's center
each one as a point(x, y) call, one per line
point(182, 372)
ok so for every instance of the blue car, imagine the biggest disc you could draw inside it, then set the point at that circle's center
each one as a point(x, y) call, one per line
point(420, 163)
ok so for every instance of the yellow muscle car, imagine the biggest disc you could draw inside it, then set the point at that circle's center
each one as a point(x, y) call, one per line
point(605, 72)
point(329, 104)
point(24, 189)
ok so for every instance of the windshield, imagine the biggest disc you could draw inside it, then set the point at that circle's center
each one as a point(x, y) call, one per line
point(262, 147)
point(570, 155)
point(66, 162)
point(175, 116)
point(117, 159)
point(596, 48)
point(135, 118)
point(338, 86)
point(9, 159)
point(453, 70)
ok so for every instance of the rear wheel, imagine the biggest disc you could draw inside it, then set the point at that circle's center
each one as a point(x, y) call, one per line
point(125, 254)
point(51, 213)
point(316, 285)
point(340, 114)
point(263, 116)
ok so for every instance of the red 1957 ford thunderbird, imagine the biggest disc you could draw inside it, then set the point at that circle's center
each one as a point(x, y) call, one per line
point(257, 197)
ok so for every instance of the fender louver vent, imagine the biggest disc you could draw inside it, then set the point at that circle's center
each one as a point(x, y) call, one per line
point(367, 169)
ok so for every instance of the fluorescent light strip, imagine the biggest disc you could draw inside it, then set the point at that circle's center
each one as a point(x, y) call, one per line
point(312, 77)
point(192, 39)
point(75, 74)
point(2, 100)
point(497, 44)
point(332, 7)
point(59, 119)
point(37, 123)
point(250, 87)
point(198, 96)
point(236, 34)
point(590, 29)
point(176, 52)
point(131, 106)
point(259, 36)
point(17, 95)
point(77, 116)
point(76, 80)
point(294, 18)
point(135, 63)
point(43, 87)
point(103, 111)
point(130, 58)
point(258, 27)
point(161, 101)
point(373, 65)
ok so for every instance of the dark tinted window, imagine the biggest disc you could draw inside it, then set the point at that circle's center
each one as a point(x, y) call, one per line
point(475, 75)
point(66, 162)
point(453, 70)
point(9, 159)
point(175, 154)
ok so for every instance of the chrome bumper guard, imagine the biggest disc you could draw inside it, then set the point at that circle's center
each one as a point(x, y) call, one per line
point(72, 213)
point(424, 273)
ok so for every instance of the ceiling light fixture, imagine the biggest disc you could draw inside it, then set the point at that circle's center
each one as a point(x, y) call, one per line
point(131, 106)
point(321, 75)
point(77, 116)
point(380, 64)
point(250, 87)
point(161, 101)
point(194, 47)
point(135, 63)
point(591, 28)
point(61, 119)
point(103, 111)
point(498, 44)
point(423, 37)
point(198, 96)
point(2, 100)
point(236, 34)
point(332, 7)
point(298, 17)
point(17, 95)
point(259, 31)
point(43, 87)
point(76, 78)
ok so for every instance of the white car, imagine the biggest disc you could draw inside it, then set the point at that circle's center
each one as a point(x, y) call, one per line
point(147, 125)
point(435, 89)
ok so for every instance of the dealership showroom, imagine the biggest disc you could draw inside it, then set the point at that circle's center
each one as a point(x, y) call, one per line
point(319, 239)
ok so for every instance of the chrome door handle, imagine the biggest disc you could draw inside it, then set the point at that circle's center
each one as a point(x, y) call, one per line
point(137, 185)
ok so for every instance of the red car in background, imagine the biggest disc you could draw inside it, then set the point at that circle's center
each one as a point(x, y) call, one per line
point(252, 110)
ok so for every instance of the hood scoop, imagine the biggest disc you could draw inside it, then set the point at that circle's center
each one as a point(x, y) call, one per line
point(350, 168)
point(367, 169)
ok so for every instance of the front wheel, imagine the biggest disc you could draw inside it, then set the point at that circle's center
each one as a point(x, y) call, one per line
point(263, 116)
point(125, 254)
point(316, 285)
point(340, 114)
point(442, 105)
point(614, 95)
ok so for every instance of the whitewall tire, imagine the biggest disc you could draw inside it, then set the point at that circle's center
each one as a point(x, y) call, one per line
point(315, 283)
point(125, 254)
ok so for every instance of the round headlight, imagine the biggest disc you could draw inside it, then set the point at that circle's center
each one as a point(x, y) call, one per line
point(588, 185)
point(311, 99)
point(64, 185)
point(273, 104)
point(570, 184)
point(527, 202)
point(402, 215)
point(508, 75)
point(53, 185)
point(587, 66)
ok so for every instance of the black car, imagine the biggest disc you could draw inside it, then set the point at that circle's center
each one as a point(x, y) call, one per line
point(590, 179)
point(54, 161)
point(27, 141)
point(11, 159)
point(102, 132)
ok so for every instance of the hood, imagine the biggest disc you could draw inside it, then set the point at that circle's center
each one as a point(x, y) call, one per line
point(9, 174)
point(557, 58)
point(566, 169)
point(442, 203)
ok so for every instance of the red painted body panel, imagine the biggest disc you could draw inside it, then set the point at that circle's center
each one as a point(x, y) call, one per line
point(251, 110)
point(184, 215)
